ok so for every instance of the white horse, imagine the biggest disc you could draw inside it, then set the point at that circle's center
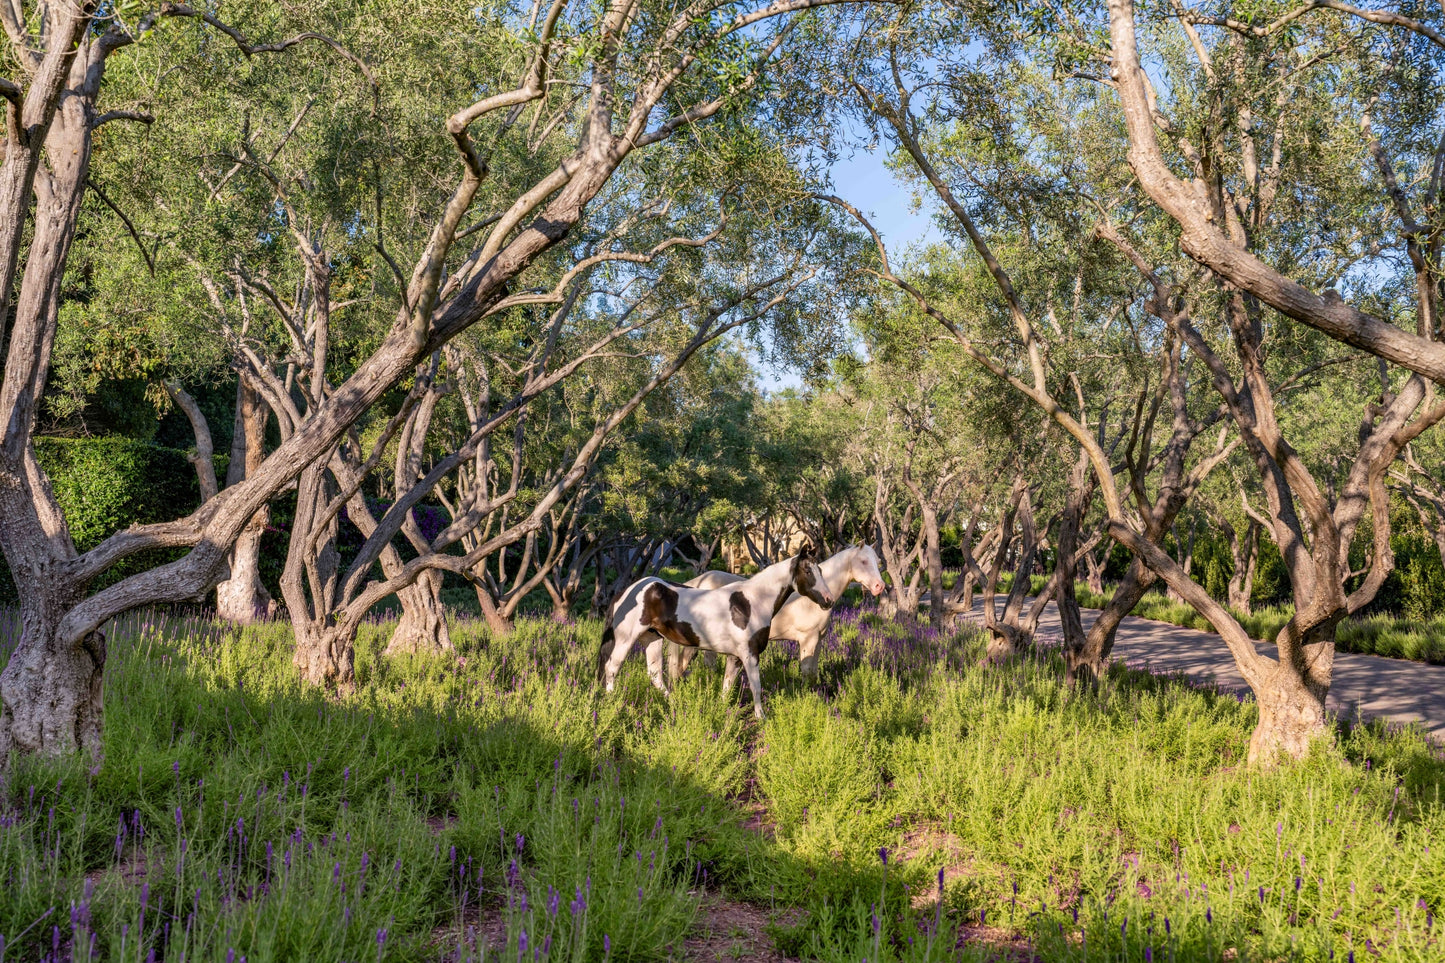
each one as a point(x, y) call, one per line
point(802, 619)
point(733, 620)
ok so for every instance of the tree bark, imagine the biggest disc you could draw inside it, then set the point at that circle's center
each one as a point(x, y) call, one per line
point(1092, 658)
point(1186, 554)
point(1076, 507)
point(323, 655)
point(499, 624)
point(1008, 637)
point(933, 555)
point(1244, 553)
point(1094, 564)
point(422, 628)
point(243, 597)
point(203, 458)
point(51, 693)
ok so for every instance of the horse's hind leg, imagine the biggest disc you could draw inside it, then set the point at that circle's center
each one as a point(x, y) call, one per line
point(730, 676)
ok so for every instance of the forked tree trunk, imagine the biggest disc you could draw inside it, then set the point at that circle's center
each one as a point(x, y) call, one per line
point(1245, 555)
point(1094, 565)
point(1292, 707)
point(561, 608)
point(498, 623)
point(323, 656)
point(1007, 636)
point(50, 691)
point(1092, 658)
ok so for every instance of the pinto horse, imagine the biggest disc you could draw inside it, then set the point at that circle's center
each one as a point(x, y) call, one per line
point(801, 619)
point(733, 620)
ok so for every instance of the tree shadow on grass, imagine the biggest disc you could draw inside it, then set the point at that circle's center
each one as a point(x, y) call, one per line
point(239, 814)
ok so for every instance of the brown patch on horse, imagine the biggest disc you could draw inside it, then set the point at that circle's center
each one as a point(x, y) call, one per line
point(805, 579)
point(659, 605)
point(741, 609)
point(659, 613)
point(759, 641)
point(791, 587)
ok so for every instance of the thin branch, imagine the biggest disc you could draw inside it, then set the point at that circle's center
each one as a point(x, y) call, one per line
point(150, 262)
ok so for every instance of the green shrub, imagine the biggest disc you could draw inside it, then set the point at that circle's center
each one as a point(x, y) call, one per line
point(106, 484)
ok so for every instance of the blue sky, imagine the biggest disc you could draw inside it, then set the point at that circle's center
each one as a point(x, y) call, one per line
point(868, 185)
point(865, 182)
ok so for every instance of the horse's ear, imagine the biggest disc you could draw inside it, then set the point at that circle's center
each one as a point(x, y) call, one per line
point(807, 551)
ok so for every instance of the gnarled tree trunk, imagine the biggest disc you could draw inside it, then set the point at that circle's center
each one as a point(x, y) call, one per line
point(422, 628)
point(51, 692)
point(1094, 564)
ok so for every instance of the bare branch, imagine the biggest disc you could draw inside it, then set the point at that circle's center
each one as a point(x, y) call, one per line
point(139, 116)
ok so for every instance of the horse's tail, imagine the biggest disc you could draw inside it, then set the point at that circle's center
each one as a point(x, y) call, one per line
point(609, 641)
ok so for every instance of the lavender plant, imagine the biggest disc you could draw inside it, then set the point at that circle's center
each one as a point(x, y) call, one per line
point(491, 807)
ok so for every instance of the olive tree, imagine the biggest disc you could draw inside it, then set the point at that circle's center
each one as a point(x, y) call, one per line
point(622, 77)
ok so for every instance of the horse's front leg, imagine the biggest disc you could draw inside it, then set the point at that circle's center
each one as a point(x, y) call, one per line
point(654, 663)
point(755, 682)
point(808, 653)
point(621, 647)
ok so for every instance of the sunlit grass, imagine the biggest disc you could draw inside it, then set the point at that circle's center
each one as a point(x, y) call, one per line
point(491, 804)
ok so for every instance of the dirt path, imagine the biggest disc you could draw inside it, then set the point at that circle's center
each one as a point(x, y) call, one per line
point(1368, 685)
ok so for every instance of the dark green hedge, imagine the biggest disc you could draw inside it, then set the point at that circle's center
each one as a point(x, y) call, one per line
point(105, 484)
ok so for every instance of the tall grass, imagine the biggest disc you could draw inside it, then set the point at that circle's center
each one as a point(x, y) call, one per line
point(493, 805)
